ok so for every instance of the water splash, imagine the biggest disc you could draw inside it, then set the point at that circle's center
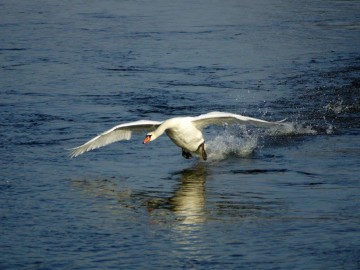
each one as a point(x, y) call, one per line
point(241, 143)
point(340, 106)
point(292, 129)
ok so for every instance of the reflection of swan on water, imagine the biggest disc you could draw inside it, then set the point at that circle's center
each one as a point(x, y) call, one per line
point(188, 202)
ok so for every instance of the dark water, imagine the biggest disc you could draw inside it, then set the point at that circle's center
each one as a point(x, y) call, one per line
point(72, 69)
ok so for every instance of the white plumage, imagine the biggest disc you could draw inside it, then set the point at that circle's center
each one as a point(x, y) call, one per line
point(185, 132)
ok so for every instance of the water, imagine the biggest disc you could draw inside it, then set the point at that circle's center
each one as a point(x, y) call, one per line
point(264, 200)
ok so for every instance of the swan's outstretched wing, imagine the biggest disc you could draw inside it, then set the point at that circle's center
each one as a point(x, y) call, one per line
point(220, 118)
point(117, 133)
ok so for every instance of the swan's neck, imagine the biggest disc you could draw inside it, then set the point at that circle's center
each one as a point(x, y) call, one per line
point(158, 132)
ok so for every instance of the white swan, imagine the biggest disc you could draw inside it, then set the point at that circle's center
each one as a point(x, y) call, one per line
point(185, 132)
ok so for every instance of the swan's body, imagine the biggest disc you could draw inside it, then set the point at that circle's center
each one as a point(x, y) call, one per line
point(185, 132)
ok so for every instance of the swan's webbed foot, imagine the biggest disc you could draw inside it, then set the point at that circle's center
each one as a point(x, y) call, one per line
point(201, 149)
point(186, 154)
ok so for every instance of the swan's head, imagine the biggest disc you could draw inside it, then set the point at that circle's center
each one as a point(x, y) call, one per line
point(149, 137)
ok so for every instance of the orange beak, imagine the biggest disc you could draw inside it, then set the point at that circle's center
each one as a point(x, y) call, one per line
point(147, 139)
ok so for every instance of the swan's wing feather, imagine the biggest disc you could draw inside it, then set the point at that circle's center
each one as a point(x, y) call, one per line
point(117, 133)
point(221, 118)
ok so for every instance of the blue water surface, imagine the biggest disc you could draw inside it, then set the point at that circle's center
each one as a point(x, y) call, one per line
point(71, 69)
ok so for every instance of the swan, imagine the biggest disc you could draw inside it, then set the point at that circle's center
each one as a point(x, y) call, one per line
point(185, 132)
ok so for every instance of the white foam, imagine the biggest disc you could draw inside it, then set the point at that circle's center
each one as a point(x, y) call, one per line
point(291, 129)
point(337, 107)
point(242, 143)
